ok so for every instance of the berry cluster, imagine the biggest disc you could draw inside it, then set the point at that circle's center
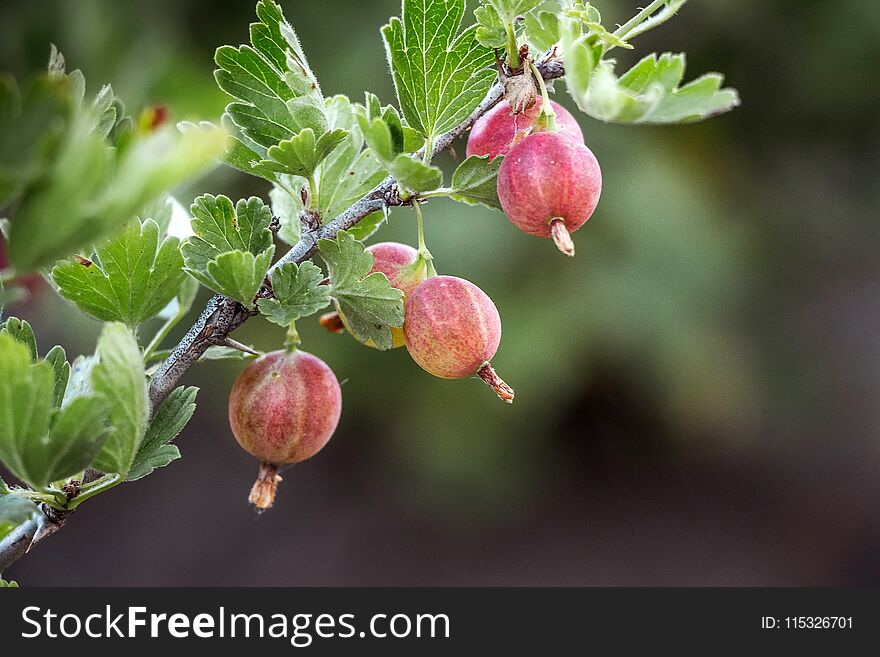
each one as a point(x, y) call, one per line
point(285, 406)
point(549, 183)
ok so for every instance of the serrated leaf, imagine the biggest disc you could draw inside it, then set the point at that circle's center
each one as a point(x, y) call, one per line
point(542, 30)
point(38, 443)
point(490, 31)
point(131, 278)
point(219, 227)
point(277, 93)
point(15, 511)
point(370, 304)
point(237, 274)
point(119, 377)
point(649, 92)
point(168, 421)
point(385, 137)
point(276, 40)
point(301, 154)
point(508, 10)
point(21, 330)
point(97, 188)
point(476, 181)
point(349, 172)
point(298, 293)
point(439, 77)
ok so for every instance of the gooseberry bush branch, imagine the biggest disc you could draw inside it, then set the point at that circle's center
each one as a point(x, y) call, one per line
point(132, 255)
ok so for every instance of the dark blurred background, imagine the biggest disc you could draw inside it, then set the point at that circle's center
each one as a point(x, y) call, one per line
point(697, 392)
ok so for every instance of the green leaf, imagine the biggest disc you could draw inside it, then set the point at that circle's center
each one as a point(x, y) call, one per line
point(156, 450)
point(38, 443)
point(25, 410)
point(78, 432)
point(131, 278)
point(542, 30)
point(237, 274)
point(301, 154)
point(476, 181)
point(415, 175)
point(61, 370)
point(649, 92)
point(31, 130)
point(490, 31)
point(232, 248)
point(21, 331)
point(367, 226)
point(220, 228)
point(216, 352)
point(385, 136)
point(80, 381)
point(119, 376)
point(508, 10)
point(298, 293)
point(349, 172)
point(439, 77)
point(15, 511)
point(370, 304)
point(277, 93)
point(96, 188)
point(286, 207)
point(495, 16)
point(8, 584)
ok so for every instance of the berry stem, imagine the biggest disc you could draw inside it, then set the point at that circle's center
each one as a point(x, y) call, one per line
point(263, 492)
point(424, 254)
point(292, 339)
point(548, 114)
point(499, 386)
point(561, 236)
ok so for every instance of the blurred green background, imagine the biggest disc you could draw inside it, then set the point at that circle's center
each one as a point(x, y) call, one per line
point(696, 391)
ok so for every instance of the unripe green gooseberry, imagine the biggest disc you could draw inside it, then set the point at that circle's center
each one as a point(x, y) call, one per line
point(283, 408)
point(452, 330)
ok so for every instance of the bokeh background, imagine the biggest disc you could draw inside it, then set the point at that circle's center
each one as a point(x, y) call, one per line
point(697, 392)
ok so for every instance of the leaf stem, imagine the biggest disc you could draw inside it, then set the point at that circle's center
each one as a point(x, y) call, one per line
point(98, 486)
point(513, 60)
point(162, 333)
point(644, 20)
point(547, 111)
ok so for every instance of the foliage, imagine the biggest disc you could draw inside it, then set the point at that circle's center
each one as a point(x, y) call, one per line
point(87, 189)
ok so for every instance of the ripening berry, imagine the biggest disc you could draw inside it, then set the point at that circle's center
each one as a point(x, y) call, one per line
point(283, 408)
point(494, 132)
point(453, 330)
point(398, 262)
point(549, 186)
